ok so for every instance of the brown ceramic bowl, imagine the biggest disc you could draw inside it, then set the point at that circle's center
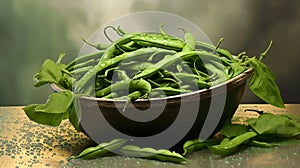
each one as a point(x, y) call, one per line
point(204, 112)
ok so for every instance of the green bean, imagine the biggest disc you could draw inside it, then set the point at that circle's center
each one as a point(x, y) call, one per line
point(179, 67)
point(171, 91)
point(101, 83)
point(107, 71)
point(231, 146)
point(140, 85)
point(161, 29)
point(198, 144)
point(109, 52)
point(202, 75)
point(98, 46)
point(83, 64)
point(163, 63)
point(150, 153)
point(189, 41)
point(165, 79)
point(111, 95)
point(60, 57)
point(235, 69)
point(99, 150)
point(121, 31)
point(133, 85)
point(165, 84)
point(167, 61)
point(219, 43)
point(192, 78)
point(158, 40)
point(95, 55)
point(186, 76)
point(204, 46)
point(216, 50)
point(153, 83)
point(221, 75)
point(156, 94)
point(114, 87)
point(137, 89)
point(122, 75)
point(130, 46)
point(63, 70)
point(81, 71)
point(225, 141)
point(109, 62)
point(136, 65)
point(131, 56)
point(132, 96)
point(262, 55)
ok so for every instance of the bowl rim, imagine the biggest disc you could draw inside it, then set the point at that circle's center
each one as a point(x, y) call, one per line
point(203, 93)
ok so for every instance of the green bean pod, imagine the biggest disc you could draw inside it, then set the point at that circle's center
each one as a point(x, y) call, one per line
point(167, 61)
point(158, 40)
point(189, 41)
point(103, 64)
point(122, 85)
point(99, 150)
point(231, 146)
point(80, 59)
point(98, 46)
point(136, 65)
point(140, 85)
point(122, 75)
point(210, 48)
point(198, 144)
point(150, 153)
point(171, 91)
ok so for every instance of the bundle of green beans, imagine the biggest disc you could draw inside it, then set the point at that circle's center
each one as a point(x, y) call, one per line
point(147, 65)
point(143, 65)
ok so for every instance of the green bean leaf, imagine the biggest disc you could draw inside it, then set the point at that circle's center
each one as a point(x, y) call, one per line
point(99, 150)
point(150, 153)
point(43, 118)
point(198, 144)
point(233, 130)
point(262, 84)
point(57, 103)
point(280, 125)
point(53, 111)
point(50, 72)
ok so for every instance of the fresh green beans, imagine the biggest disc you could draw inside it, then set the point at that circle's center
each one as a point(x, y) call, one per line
point(103, 64)
point(143, 65)
point(160, 62)
point(84, 58)
point(142, 55)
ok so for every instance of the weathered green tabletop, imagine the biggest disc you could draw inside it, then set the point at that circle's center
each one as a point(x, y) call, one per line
point(26, 144)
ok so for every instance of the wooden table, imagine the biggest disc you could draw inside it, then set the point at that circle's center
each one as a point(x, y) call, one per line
point(24, 143)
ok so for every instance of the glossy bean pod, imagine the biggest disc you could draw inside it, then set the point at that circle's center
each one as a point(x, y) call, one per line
point(99, 150)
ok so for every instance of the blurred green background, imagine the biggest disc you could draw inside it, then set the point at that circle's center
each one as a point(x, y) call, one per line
point(33, 30)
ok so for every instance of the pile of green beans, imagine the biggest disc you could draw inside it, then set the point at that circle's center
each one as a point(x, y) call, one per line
point(151, 65)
